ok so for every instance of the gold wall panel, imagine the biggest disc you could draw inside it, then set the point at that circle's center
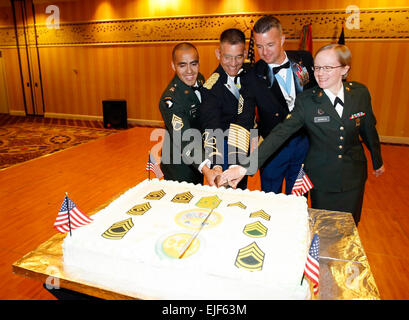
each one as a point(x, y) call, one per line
point(385, 24)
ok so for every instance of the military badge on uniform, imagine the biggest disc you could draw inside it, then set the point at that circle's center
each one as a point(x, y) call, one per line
point(241, 104)
point(168, 101)
point(177, 123)
point(357, 115)
point(302, 74)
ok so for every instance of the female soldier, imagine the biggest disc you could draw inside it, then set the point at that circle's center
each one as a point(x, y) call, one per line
point(335, 115)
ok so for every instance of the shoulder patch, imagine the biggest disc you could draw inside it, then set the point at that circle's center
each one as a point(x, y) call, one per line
point(168, 101)
point(211, 81)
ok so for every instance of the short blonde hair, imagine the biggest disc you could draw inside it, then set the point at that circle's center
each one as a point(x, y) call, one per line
point(342, 52)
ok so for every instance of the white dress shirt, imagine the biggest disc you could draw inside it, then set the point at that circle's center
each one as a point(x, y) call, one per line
point(289, 98)
point(332, 97)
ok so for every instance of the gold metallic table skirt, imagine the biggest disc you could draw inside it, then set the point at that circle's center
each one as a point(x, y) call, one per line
point(344, 269)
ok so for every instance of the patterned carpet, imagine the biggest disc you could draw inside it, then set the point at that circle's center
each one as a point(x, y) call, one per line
point(27, 138)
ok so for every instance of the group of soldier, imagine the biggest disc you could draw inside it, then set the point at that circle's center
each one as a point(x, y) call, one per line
point(215, 128)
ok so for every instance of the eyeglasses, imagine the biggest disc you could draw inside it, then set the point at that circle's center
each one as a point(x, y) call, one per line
point(326, 69)
point(230, 58)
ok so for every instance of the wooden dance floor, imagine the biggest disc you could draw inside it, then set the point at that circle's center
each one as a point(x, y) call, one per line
point(31, 195)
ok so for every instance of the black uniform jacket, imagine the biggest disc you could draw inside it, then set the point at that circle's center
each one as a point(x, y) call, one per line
point(336, 160)
point(220, 108)
point(258, 89)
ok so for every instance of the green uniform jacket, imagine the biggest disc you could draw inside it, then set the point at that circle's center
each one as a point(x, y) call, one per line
point(180, 109)
point(336, 160)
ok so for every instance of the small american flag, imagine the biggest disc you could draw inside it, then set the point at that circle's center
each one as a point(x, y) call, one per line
point(302, 184)
point(70, 217)
point(152, 166)
point(312, 266)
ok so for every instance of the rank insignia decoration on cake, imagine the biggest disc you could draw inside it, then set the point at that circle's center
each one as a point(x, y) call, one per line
point(184, 197)
point(155, 195)
point(260, 214)
point(237, 204)
point(118, 230)
point(139, 209)
point(250, 258)
point(211, 202)
point(255, 230)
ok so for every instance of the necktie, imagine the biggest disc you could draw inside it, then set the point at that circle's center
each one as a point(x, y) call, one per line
point(339, 106)
point(338, 101)
point(283, 66)
point(195, 88)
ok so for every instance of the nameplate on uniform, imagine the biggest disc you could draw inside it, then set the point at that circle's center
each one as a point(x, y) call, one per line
point(321, 119)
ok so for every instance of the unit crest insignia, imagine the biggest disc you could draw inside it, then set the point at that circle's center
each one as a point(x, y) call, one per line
point(261, 214)
point(250, 258)
point(184, 197)
point(193, 219)
point(237, 204)
point(118, 230)
point(155, 195)
point(139, 209)
point(255, 230)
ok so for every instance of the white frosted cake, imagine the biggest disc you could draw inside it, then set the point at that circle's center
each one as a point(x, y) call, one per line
point(253, 245)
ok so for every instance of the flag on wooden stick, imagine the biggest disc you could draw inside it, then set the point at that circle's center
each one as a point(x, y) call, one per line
point(312, 266)
point(151, 165)
point(70, 217)
point(303, 184)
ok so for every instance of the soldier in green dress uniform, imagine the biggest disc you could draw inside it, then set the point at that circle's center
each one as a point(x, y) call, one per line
point(335, 114)
point(182, 152)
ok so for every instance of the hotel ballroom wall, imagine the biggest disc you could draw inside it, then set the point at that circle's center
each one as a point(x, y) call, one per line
point(76, 78)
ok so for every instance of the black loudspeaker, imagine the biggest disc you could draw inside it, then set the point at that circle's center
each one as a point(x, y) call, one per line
point(115, 115)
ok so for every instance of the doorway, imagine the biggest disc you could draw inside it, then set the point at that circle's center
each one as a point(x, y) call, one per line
point(28, 56)
point(4, 105)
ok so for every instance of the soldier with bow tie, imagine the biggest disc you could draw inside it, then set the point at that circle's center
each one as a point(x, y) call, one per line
point(272, 86)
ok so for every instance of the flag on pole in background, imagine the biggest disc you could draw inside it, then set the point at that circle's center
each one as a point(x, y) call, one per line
point(312, 266)
point(250, 55)
point(152, 166)
point(341, 39)
point(306, 38)
point(70, 217)
point(302, 184)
